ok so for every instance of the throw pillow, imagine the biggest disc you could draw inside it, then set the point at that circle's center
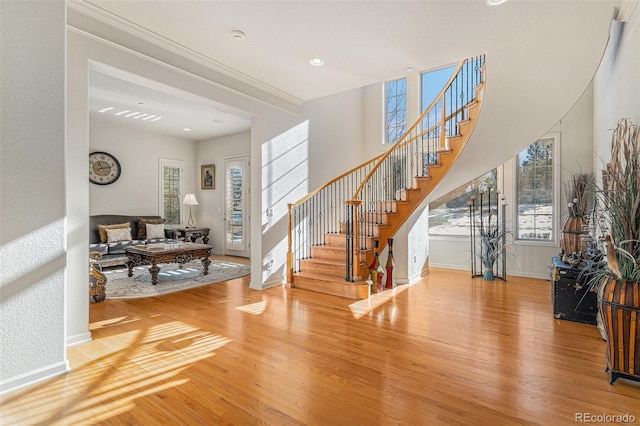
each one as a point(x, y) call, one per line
point(118, 234)
point(155, 231)
point(102, 230)
point(142, 226)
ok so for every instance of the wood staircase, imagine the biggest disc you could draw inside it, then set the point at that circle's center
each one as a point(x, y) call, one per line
point(326, 265)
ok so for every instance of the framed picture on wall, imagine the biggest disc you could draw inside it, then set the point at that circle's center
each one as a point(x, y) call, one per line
point(208, 176)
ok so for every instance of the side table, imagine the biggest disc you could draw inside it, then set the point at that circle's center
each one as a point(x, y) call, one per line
point(192, 234)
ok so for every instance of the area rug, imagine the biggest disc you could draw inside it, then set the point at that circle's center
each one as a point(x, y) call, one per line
point(170, 278)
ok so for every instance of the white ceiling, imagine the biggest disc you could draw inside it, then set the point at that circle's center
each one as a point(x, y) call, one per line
point(361, 42)
point(123, 91)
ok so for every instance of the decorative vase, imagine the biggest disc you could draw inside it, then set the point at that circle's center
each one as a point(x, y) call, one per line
point(373, 268)
point(619, 309)
point(489, 256)
point(390, 266)
point(380, 277)
point(487, 273)
point(572, 231)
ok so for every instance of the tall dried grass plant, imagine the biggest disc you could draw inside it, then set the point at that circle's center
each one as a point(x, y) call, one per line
point(620, 204)
point(578, 191)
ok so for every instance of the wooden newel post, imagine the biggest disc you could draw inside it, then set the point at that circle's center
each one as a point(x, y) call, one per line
point(290, 260)
point(355, 250)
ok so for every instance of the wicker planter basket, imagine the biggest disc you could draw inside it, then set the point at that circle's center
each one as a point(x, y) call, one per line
point(619, 306)
point(572, 231)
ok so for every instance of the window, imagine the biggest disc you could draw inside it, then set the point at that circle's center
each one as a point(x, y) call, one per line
point(170, 190)
point(432, 84)
point(449, 214)
point(535, 190)
point(395, 109)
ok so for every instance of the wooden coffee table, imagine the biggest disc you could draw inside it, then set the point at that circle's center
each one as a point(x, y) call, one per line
point(181, 253)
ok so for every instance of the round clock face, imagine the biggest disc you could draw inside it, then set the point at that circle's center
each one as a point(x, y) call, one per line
point(104, 168)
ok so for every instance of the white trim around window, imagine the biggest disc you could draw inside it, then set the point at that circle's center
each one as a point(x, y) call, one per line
point(555, 212)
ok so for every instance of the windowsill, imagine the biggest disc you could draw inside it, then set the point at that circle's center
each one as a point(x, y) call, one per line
point(440, 237)
point(536, 243)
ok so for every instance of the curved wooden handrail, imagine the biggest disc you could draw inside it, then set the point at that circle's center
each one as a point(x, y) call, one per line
point(401, 141)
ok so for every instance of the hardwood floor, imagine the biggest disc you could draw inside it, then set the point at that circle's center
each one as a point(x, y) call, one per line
point(446, 350)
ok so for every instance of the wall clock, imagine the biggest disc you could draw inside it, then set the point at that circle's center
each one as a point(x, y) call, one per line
point(104, 168)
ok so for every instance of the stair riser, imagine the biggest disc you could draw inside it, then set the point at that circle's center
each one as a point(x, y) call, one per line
point(344, 289)
point(333, 253)
point(338, 271)
point(340, 240)
point(377, 218)
point(374, 229)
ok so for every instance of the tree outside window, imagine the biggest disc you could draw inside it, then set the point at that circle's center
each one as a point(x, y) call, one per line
point(395, 109)
point(535, 192)
point(449, 214)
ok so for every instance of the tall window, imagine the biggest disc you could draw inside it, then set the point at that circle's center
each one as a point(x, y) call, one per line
point(449, 214)
point(432, 84)
point(170, 190)
point(395, 109)
point(535, 193)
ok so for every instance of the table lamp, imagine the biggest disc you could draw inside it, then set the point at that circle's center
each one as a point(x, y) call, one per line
point(190, 200)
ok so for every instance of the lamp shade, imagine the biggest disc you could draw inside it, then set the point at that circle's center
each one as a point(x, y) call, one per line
point(190, 200)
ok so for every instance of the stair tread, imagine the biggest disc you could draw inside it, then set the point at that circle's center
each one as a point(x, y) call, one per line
point(333, 279)
point(327, 261)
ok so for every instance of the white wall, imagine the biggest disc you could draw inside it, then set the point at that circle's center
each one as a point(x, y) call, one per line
point(335, 135)
point(137, 191)
point(617, 84)
point(324, 142)
point(210, 211)
point(32, 202)
point(531, 259)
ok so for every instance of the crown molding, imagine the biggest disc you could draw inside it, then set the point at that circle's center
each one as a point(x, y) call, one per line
point(99, 14)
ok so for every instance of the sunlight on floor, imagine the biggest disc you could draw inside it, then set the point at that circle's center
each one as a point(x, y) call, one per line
point(254, 308)
point(364, 306)
point(124, 370)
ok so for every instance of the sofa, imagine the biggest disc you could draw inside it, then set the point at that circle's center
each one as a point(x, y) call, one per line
point(111, 234)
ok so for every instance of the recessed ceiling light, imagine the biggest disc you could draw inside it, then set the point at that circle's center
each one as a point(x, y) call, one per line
point(106, 109)
point(140, 116)
point(238, 35)
point(132, 114)
point(149, 117)
point(122, 112)
point(186, 129)
point(317, 62)
point(157, 118)
point(495, 2)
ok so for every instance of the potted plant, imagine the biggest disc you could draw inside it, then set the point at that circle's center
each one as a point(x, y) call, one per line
point(619, 283)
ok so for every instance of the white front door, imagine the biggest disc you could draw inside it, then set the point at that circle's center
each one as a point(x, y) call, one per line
point(236, 206)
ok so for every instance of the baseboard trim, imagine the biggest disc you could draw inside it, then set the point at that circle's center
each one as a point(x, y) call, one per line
point(448, 266)
point(33, 377)
point(79, 338)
